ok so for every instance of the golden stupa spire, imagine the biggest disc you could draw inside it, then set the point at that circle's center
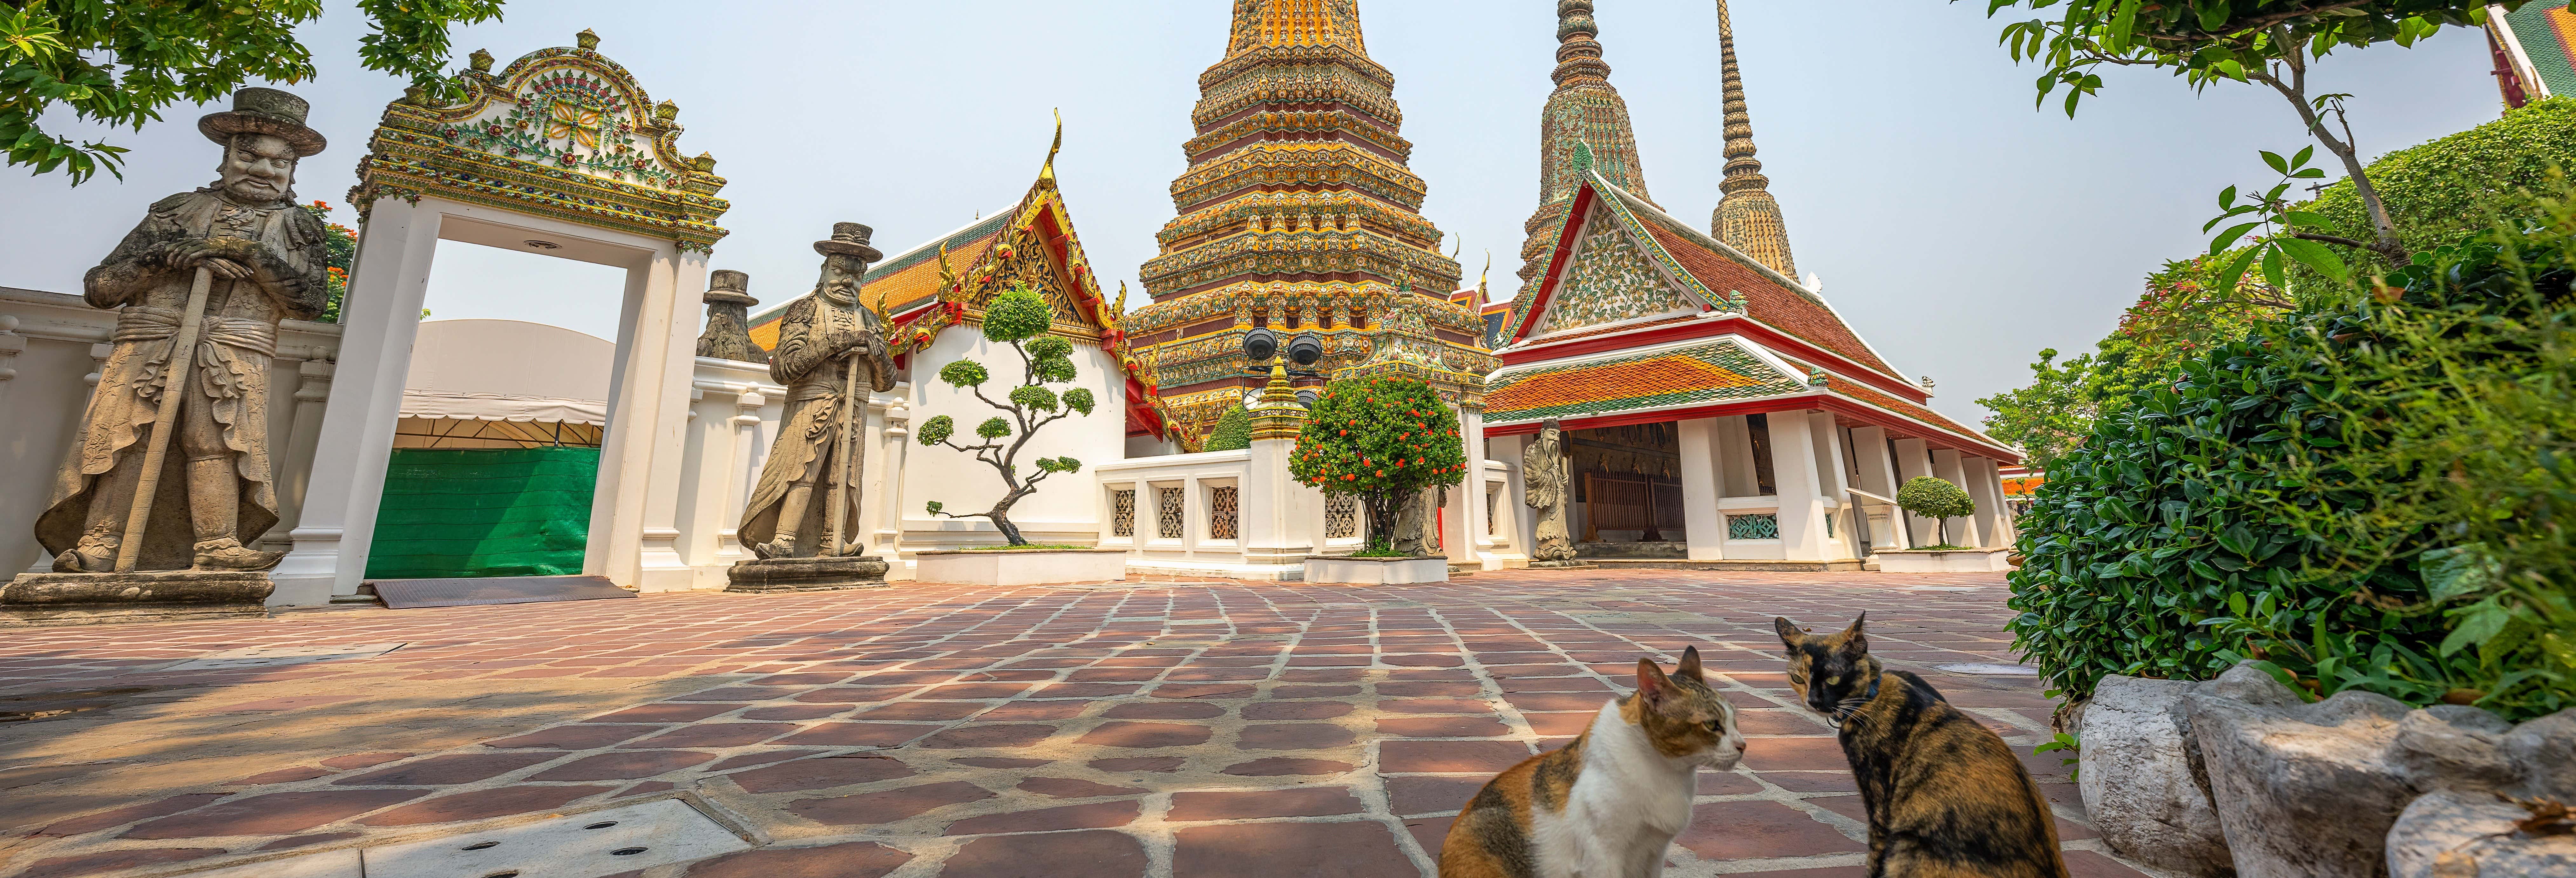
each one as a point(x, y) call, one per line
point(1259, 23)
point(1583, 129)
point(1747, 217)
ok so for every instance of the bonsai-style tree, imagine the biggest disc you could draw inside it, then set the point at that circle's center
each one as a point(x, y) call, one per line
point(1019, 317)
point(1937, 499)
point(1233, 431)
point(1383, 439)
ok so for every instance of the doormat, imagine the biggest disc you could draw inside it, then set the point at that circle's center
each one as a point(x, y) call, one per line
point(406, 594)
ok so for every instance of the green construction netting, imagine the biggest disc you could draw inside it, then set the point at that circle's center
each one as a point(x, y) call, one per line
point(484, 512)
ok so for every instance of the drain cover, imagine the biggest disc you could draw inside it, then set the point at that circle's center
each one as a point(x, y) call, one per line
point(1985, 669)
point(587, 845)
point(273, 656)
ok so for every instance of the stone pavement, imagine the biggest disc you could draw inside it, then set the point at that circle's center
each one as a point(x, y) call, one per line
point(1151, 728)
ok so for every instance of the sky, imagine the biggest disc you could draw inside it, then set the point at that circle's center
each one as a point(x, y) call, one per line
point(1956, 227)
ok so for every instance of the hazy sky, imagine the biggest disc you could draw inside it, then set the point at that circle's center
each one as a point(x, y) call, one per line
point(1958, 229)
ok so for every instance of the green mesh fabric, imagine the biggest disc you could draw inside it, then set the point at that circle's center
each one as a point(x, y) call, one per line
point(484, 512)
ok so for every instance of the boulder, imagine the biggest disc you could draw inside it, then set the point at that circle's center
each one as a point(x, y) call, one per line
point(2142, 779)
point(2465, 834)
point(2453, 747)
point(2545, 749)
point(2301, 790)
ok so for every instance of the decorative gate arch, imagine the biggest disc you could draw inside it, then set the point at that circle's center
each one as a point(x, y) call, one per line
point(562, 154)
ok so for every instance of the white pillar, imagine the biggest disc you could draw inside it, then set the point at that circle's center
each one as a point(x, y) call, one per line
point(1914, 460)
point(663, 357)
point(889, 487)
point(1464, 529)
point(1703, 528)
point(739, 446)
point(380, 318)
point(1271, 509)
point(1994, 523)
point(295, 469)
point(1515, 522)
point(1793, 474)
point(1878, 476)
point(706, 471)
point(1833, 474)
point(1945, 466)
point(1735, 458)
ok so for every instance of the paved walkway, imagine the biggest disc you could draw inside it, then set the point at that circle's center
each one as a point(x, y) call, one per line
point(1155, 728)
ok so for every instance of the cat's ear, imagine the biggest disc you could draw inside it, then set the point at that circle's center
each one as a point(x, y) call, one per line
point(1652, 685)
point(1689, 668)
point(1856, 641)
point(1790, 636)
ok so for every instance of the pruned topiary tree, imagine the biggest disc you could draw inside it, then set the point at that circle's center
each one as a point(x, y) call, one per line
point(1383, 439)
point(1936, 499)
point(1019, 317)
point(1233, 431)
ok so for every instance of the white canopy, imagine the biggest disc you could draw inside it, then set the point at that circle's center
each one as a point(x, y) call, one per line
point(508, 370)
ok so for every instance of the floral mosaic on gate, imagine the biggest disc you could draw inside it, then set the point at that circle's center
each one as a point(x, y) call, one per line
point(568, 118)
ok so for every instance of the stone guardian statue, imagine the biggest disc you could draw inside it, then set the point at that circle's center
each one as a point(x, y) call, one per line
point(1548, 489)
point(802, 521)
point(169, 469)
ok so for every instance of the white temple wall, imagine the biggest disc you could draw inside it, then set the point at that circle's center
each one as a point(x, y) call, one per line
point(51, 347)
point(1065, 509)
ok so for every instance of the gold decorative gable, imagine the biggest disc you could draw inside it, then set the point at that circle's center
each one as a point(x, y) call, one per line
point(562, 133)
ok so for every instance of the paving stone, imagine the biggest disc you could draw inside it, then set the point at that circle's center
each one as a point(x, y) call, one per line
point(572, 737)
point(1021, 711)
point(975, 736)
point(1727, 783)
point(272, 814)
point(1281, 766)
point(1813, 781)
point(1795, 754)
point(1292, 692)
point(763, 757)
point(854, 694)
point(1780, 721)
point(306, 840)
point(1069, 788)
point(1091, 854)
point(1556, 701)
point(116, 817)
point(1174, 710)
point(284, 775)
point(1443, 727)
point(93, 864)
point(921, 711)
point(1143, 735)
point(482, 804)
point(1244, 804)
point(1000, 762)
point(815, 774)
point(856, 859)
point(1296, 709)
point(623, 766)
point(1289, 850)
point(1420, 795)
point(886, 806)
point(796, 712)
point(1830, 872)
point(1204, 690)
point(1482, 757)
point(1466, 689)
point(1094, 815)
point(1149, 764)
point(1436, 705)
point(1560, 724)
point(856, 735)
point(1429, 832)
point(1746, 829)
point(714, 734)
point(446, 770)
point(669, 712)
point(1294, 736)
point(2087, 864)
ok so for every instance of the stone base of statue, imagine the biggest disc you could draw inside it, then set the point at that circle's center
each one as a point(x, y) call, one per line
point(1569, 564)
point(155, 596)
point(777, 575)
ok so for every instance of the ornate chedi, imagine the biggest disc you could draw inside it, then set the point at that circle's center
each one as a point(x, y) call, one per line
point(1297, 214)
point(1747, 218)
point(1584, 113)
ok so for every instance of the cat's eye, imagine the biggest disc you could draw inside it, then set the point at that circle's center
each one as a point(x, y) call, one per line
point(1715, 725)
point(1833, 681)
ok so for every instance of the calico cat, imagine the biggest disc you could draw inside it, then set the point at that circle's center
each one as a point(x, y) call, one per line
point(1608, 804)
point(1946, 798)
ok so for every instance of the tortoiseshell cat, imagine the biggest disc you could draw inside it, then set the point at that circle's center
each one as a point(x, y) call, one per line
point(1946, 798)
point(1608, 804)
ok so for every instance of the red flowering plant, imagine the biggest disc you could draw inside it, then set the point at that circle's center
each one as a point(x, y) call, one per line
point(1382, 439)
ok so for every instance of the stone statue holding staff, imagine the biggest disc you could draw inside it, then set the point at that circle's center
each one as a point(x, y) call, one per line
point(1543, 472)
point(831, 353)
point(169, 469)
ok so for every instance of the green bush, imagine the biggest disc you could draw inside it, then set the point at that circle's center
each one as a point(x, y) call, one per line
point(2352, 498)
point(1233, 431)
point(1382, 439)
point(2459, 185)
point(1936, 499)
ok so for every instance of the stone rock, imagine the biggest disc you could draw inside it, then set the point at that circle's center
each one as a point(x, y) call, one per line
point(805, 574)
point(144, 596)
point(2302, 790)
point(2545, 748)
point(2458, 834)
point(2142, 778)
point(2452, 746)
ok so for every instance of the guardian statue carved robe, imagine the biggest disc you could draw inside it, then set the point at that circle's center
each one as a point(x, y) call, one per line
point(824, 340)
point(1543, 471)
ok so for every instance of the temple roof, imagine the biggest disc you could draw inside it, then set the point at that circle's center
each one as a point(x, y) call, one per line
point(1697, 371)
point(1747, 216)
point(1266, 23)
point(1583, 113)
point(2539, 44)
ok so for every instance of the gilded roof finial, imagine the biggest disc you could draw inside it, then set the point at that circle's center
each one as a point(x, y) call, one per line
point(1747, 216)
point(1047, 172)
point(587, 39)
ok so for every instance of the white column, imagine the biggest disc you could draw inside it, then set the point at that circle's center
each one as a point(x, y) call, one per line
point(665, 358)
point(1271, 508)
point(889, 487)
point(380, 318)
point(740, 472)
point(1914, 460)
point(295, 470)
point(1466, 524)
point(1994, 522)
point(1878, 476)
point(1833, 474)
point(11, 345)
point(706, 471)
point(1793, 474)
point(1703, 528)
point(1516, 522)
point(1735, 458)
point(1945, 466)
